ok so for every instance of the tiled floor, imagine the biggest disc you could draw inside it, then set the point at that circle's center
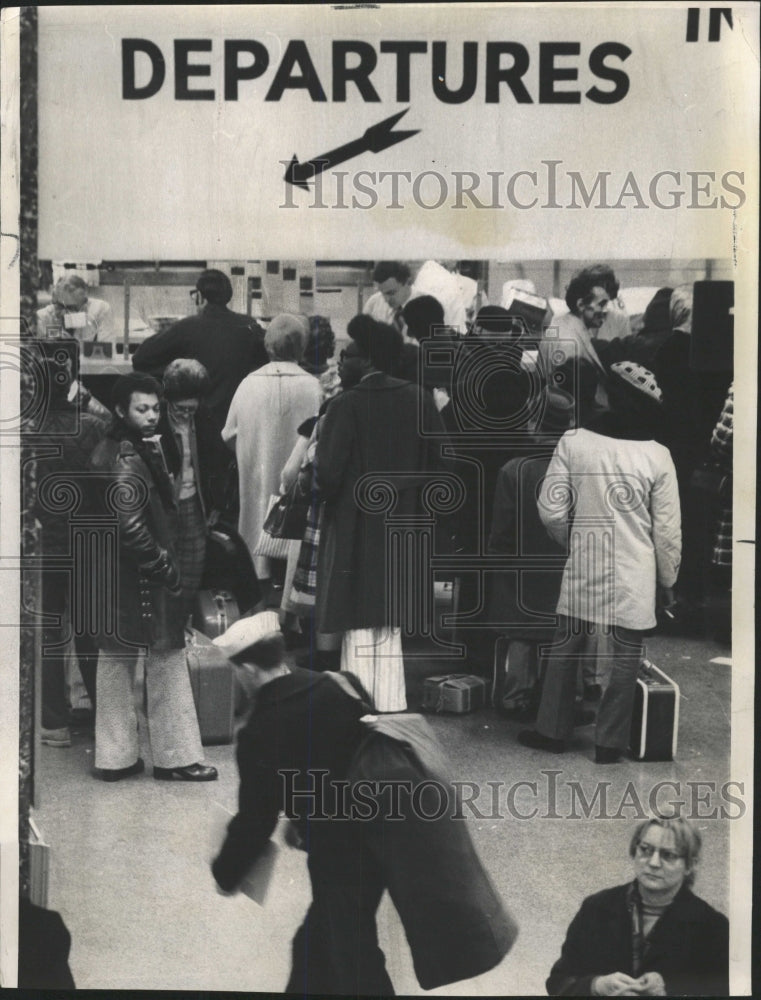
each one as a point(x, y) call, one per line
point(129, 861)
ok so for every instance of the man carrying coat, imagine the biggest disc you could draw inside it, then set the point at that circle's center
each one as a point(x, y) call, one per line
point(307, 750)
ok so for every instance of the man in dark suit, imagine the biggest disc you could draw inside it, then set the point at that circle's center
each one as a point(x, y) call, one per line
point(228, 345)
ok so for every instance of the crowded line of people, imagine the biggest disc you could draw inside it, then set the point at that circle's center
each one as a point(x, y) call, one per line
point(544, 425)
point(567, 463)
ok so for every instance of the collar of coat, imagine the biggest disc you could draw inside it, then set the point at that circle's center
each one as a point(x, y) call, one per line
point(378, 381)
point(286, 686)
point(685, 907)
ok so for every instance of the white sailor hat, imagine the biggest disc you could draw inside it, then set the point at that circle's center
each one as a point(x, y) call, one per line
point(247, 631)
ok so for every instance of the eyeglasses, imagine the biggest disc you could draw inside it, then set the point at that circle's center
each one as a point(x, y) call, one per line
point(667, 857)
point(195, 296)
point(185, 411)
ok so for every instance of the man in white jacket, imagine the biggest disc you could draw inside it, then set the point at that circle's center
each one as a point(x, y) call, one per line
point(611, 492)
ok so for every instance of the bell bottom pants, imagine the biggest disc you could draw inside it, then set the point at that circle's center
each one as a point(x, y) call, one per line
point(173, 731)
point(615, 654)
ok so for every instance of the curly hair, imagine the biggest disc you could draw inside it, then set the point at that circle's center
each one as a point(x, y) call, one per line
point(126, 385)
point(321, 343)
point(584, 281)
point(379, 342)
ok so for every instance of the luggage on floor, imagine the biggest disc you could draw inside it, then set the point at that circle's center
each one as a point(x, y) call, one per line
point(458, 693)
point(215, 612)
point(214, 688)
point(655, 718)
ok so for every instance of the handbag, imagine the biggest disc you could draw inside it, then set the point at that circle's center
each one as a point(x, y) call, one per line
point(269, 546)
point(287, 517)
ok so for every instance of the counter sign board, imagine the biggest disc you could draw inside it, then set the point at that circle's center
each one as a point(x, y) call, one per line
point(491, 125)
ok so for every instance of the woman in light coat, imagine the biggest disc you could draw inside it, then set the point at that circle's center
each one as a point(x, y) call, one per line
point(611, 492)
point(262, 425)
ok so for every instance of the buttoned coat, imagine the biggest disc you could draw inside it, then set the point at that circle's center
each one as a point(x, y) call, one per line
point(371, 430)
point(139, 611)
point(689, 946)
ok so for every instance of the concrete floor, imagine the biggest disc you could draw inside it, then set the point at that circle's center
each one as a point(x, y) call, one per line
point(129, 866)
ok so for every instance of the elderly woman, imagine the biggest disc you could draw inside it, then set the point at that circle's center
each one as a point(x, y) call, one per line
point(653, 936)
point(186, 382)
point(262, 425)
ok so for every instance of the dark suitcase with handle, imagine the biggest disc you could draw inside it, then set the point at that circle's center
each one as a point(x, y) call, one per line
point(655, 718)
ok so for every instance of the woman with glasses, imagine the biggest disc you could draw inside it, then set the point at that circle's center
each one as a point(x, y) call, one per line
point(652, 936)
point(186, 382)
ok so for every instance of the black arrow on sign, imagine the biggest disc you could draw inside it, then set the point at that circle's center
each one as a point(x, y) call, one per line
point(375, 140)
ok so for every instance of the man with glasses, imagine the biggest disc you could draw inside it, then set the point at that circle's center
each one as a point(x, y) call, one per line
point(72, 313)
point(228, 344)
point(650, 937)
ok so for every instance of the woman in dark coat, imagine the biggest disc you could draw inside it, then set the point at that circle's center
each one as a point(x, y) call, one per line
point(651, 937)
point(371, 462)
point(145, 613)
point(522, 600)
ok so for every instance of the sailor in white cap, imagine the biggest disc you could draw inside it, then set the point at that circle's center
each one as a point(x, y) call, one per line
point(298, 753)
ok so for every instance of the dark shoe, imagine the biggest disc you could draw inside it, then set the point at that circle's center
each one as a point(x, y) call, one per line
point(117, 773)
point(193, 772)
point(607, 755)
point(531, 738)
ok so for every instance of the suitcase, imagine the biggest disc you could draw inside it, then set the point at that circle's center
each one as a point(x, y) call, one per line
point(215, 612)
point(655, 717)
point(214, 688)
point(458, 693)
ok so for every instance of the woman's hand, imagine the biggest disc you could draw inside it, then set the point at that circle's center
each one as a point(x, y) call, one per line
point(651, 984)
point(615, 984)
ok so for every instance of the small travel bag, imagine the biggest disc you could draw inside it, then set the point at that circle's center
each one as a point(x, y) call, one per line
point(457, 693)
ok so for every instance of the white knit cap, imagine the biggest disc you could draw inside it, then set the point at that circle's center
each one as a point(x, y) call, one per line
point(639, 377)
point(246, 631)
